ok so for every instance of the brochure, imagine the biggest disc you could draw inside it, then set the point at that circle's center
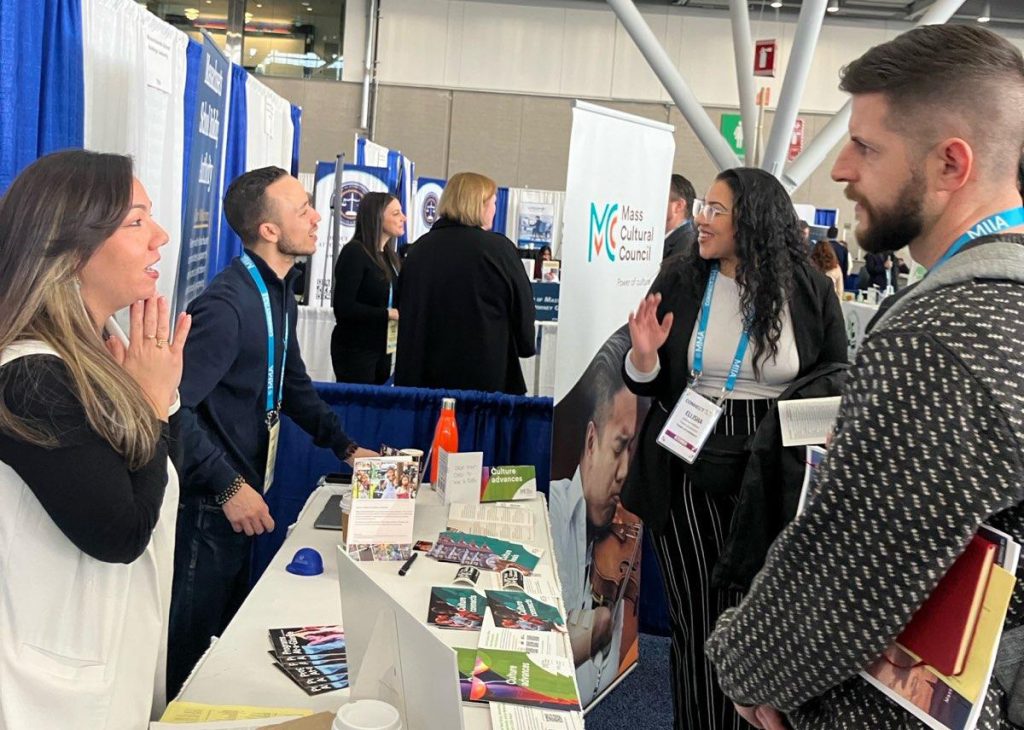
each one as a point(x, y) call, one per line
point(485, 553)
point(459, 475)
point(505, 521)
point(313, 657)
point(461, 609)
point(537, 680)
point(380, 529)
point(385, 477)
point(806, 421)
point(518, 610)
point(504, 483)
point(519, 717)
point(531, 642)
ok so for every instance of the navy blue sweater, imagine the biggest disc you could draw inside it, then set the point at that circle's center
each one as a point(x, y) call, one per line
point(222, 422)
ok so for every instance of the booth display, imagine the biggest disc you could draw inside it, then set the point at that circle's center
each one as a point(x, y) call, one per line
point(857, 315)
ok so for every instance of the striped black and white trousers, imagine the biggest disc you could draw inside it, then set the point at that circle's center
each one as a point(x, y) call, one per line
point(687, 550)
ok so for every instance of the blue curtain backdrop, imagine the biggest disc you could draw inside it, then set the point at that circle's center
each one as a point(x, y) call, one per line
point(193, 59)
point(508, 429)
point(501, 212)
point(229, 244)
point(297, 126)
point(41, 83)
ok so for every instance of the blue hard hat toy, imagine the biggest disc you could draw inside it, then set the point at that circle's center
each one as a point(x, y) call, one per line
point(307, 561)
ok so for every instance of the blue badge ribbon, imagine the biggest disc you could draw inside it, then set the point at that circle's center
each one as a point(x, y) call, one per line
point(1005, 220)
point(272, 404)
point(702, 330)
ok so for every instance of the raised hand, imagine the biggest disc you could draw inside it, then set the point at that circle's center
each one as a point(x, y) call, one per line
point(151, 359)
point(647, 334)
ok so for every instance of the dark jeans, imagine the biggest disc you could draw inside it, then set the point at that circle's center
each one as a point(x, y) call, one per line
point(211, 579)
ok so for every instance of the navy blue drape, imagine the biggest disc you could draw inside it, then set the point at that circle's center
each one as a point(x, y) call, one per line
point(193, 59)
point(508, 429)
point(42, 87)
point(229, 244)
point(501, 212)
point(297, 126)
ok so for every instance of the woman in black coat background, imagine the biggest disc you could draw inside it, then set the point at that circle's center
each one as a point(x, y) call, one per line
point(467, 303)
point(365, 296)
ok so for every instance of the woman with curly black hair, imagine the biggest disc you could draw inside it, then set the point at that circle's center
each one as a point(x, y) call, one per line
point(746, 282)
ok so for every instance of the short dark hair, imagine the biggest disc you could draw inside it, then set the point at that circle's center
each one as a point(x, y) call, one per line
point(604, 375)
point(682, 189)
point(245, 202)
point(833, 232)
point(939, 76)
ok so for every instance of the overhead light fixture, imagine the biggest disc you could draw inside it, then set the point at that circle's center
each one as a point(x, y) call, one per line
point(776, 4)
point(248, 17)
point(191, 13)
point(833, 6)
point(986, 14)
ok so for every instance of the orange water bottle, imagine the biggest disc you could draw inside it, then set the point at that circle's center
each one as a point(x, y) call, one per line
point(446, 435)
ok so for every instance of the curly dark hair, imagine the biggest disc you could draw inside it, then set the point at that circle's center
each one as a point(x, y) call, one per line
point(823, 257)
point(769, 246)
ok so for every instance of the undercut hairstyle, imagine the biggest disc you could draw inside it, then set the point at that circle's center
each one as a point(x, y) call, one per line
point(944, 81)
point(682, 189)
point(464, 196)
point(245, 203)
point(769, 248)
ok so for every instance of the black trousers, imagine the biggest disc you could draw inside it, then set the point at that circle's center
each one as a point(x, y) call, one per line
point(211, 579)
point(369, 367)
point(687, 550)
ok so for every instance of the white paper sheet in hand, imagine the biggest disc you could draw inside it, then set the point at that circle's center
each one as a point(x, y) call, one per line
point(807, 421)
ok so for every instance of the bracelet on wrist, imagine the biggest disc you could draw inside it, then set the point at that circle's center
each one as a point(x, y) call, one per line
point(236, 484)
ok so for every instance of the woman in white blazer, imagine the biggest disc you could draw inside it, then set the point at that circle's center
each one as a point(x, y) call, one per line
point(88, 497)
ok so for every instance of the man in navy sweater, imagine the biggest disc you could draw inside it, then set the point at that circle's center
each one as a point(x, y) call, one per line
point(232, 393)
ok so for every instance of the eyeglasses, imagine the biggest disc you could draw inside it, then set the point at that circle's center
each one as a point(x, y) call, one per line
point(708, 210)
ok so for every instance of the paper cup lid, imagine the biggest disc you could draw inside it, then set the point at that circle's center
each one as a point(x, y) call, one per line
point(367, 715)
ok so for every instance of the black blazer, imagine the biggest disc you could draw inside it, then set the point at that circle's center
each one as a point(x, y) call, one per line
point(467, 312)
point(360, 302)
point(680, 241)
point(820, 334)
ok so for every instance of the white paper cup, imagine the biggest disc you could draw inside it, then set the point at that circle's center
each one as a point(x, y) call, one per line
point(367, 715)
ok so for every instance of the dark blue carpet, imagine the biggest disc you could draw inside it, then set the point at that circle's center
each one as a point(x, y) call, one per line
point(644, 699)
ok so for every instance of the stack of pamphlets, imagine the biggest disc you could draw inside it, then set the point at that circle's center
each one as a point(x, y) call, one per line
point(313, 657)
point(485, 553)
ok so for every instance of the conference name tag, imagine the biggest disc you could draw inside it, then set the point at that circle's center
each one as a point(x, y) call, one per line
point(274, 430)
point(392, 342)
point(689, 425)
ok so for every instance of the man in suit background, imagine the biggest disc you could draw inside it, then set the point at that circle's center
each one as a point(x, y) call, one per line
point(680, 233)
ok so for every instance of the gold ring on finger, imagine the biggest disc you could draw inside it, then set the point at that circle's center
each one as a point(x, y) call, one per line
point(161, 343)
point(150, 337)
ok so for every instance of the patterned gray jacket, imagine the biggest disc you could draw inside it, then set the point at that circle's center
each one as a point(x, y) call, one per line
point(927, 448)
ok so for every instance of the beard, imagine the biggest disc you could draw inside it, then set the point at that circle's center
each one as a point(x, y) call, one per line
point(893, 227)
point(292, 247)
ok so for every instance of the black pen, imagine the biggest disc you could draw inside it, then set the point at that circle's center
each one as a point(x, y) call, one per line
point(408, 564)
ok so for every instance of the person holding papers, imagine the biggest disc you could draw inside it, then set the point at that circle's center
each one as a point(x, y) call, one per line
point(242, 369)
point(722, 333)
point(928, 442)
point(88, 494)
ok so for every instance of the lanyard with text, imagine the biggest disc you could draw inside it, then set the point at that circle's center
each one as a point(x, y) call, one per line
point(695, 416)
point(1010, 218)
point(273, 405)
point(702, 331)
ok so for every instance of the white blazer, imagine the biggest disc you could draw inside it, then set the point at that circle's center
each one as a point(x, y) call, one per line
point(82, 642)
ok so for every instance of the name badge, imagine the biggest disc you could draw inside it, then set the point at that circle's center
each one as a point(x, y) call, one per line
point(274, 430)
point(689, 425)
point(392, 343)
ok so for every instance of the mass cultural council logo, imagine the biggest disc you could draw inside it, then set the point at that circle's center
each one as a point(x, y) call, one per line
point(428, 211)
point(620, 233)
point(351, 196)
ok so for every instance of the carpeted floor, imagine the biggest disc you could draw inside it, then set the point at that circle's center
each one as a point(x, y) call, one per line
point(644, 699)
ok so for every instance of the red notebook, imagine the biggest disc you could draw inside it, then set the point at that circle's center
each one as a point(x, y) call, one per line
point(940, 632)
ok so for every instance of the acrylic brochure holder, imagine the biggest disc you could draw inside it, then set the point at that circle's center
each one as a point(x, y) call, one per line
point(393, 657)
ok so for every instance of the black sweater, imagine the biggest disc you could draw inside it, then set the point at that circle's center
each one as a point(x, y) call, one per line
point(106, 510)
point(222, 421)
point(360, 302)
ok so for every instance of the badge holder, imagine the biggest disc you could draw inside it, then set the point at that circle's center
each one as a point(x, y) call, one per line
point(690, 423)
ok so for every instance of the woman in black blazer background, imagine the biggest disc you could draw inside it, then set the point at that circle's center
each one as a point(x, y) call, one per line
point(365, 296)
point(751, 263)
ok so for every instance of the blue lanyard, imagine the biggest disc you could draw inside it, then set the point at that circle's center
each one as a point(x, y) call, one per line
point(702, 331)
point(265, 295)
point(1010, 218)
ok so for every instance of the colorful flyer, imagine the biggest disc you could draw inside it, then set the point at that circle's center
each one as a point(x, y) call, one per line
point(461, 609)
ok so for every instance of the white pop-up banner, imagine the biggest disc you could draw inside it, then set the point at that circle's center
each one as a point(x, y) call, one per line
point(614, 229)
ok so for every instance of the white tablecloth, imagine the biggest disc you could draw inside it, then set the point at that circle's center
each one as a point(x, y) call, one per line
point(313, 330)
point(857, 316)
point(237, 670)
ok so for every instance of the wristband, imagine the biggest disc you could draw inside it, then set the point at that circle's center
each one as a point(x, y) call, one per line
point(236, 484)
